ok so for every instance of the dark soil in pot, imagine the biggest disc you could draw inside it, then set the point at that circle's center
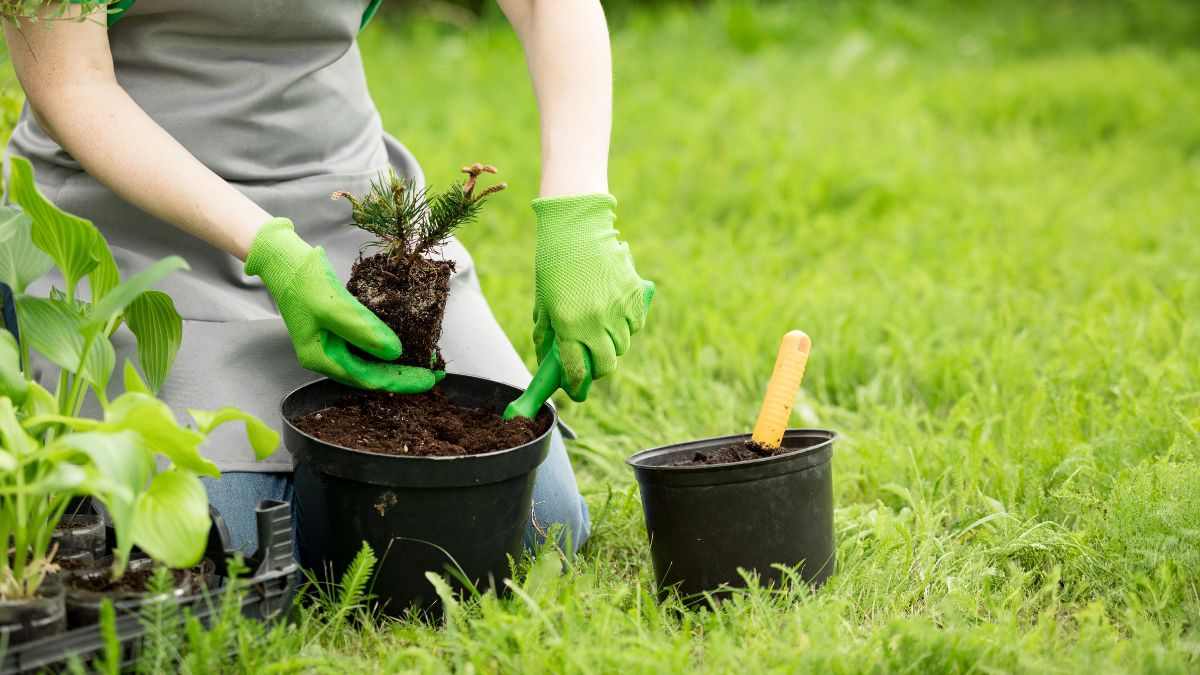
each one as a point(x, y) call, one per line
point(409, 295)
point(709, 519)
point(725, 454)
point(428, 424)
point(88, 586)
point(418, 513)
point(27, 620)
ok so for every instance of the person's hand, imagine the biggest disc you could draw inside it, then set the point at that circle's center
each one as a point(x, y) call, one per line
point(323, 319)
point(588, 296)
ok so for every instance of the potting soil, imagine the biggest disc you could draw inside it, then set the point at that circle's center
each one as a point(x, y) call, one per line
point(419, 425)
point(411, 300)
point(735, 452)
point(133, 581)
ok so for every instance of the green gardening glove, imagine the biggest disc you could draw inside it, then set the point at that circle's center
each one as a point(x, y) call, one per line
point(322, 317)
point(588, 296)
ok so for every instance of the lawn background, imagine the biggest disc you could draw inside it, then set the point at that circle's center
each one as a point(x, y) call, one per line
point(985, 215)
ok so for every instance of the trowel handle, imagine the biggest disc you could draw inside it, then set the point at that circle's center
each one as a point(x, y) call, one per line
point(781, 390)
point(549, 375)
point(547, 379)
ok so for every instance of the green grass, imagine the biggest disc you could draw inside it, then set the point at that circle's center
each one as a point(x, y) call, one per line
point(986, 218)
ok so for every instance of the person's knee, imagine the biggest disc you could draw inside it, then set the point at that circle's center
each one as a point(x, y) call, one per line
point(569, 523)
point(237, 494)
point(557, 505)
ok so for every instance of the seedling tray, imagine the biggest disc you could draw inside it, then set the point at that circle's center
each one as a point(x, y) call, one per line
point(267, 596)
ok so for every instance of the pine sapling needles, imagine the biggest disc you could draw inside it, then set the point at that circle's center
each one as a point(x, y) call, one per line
point(410, 222)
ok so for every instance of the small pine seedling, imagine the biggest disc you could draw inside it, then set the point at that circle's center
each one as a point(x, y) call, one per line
point(410, 222)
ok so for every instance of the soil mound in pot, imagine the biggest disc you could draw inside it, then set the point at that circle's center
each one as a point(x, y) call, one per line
point(133, 581)
point(726, 454)
point(410, 297)
point(418, 425)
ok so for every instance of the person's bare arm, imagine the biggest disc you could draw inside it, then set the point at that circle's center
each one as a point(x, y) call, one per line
point(567, 49)
point(66, 70)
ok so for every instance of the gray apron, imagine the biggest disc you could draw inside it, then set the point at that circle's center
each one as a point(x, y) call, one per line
point(271, 95)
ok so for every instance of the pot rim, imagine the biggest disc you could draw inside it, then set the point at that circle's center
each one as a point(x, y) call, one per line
point(637, 460)
point(412, 458)
point(51, 591)
point(804, 458)
point(70, 522)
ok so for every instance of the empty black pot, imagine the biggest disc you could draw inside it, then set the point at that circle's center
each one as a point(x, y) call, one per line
point(27, 620)
point(705, 522)
point(419, 514)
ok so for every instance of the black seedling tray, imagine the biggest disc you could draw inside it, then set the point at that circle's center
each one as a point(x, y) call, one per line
point(267, 596)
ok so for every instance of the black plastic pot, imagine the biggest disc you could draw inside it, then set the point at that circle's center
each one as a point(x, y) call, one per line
point(27, 620)
point(419, 514)
point(708, 522)
point(83, 606)
point(80, 538)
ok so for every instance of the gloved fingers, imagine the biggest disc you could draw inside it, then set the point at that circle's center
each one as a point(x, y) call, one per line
point(411, 380)
point(577, 369)
point(354, 323)
point(543, 332)
point(620, 333)
point(636, 306)
point(604, 356)
point(365, 374)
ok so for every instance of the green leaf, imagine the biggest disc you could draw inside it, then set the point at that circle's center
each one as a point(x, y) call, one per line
point(14, 437)
point(52, 328)
point(63, 477)
point(101, 361)
point(21, 262)
point(120, 457)
point(154, 421)
point(124, 466)
point(38, 402)
point(446, 594)
point(263, 438)
point(133, 381)
point(171, 520)
point(159, 330)
point(7, 461)
point(40, 422)
point(106, 276)
point(72, 242)
point(12, 381)
point(125, 293)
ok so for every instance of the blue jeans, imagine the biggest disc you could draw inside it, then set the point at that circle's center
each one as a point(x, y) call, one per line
point(556, 499)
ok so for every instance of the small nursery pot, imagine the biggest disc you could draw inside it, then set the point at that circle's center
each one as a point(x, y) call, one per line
point(705, 522)
point(83, 606)
point(80, 538)
point(28, 620)
point(419, 514)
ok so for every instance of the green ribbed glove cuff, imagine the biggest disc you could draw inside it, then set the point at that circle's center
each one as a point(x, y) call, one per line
point(574, 214)
point(276, 253)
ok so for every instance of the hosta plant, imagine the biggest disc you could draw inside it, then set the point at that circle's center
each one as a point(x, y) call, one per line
point(136, 460)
